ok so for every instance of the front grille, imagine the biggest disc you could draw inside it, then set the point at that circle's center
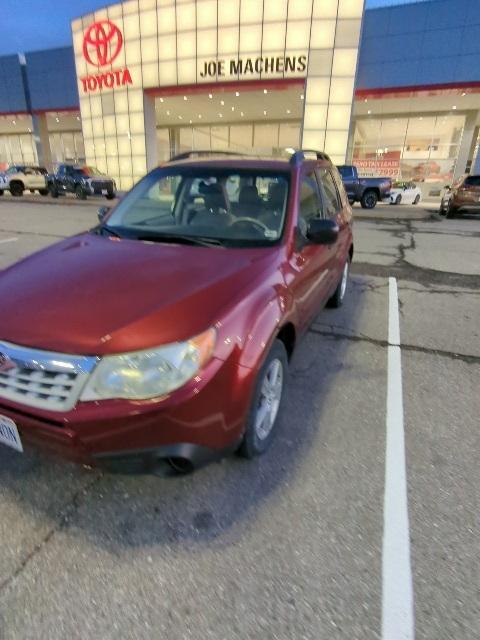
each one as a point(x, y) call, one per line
point(42, 379)
point(98, 185)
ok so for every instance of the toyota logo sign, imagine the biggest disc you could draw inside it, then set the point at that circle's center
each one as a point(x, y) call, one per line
point(102, 43)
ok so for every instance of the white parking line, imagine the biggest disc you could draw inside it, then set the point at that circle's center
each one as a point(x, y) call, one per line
point(397, 587)
point(8, 240)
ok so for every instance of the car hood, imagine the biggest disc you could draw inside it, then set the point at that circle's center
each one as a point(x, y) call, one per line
point(97, 295)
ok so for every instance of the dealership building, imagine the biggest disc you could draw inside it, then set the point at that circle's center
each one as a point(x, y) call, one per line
point(395, 90)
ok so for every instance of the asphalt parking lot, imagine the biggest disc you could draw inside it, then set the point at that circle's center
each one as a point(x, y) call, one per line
point(289, 546)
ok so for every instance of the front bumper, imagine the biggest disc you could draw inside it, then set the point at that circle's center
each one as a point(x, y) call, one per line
point(199, 422)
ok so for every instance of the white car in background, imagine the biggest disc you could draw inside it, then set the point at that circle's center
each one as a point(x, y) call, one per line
point(21, 177)
point(405, 193)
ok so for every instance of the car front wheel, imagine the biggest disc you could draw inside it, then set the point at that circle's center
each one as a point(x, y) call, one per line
point(16, 189)
point(80, 192)
point(417, 199)
point(266, 404)
point(398, 199)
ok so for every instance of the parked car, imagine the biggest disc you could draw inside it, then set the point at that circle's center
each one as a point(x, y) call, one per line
point(166, 331)
point(367, 191)
point(3, 183)
point(20, 177)
point(462, 197)
point(83, 181)
point(405, 193)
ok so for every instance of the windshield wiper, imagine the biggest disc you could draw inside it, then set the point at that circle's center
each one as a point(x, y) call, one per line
point(103, 229)
point(200, 241)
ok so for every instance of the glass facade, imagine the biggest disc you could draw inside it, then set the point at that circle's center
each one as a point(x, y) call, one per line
point(422, 148)
point(16, 141)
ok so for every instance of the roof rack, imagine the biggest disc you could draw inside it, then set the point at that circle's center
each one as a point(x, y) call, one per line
point(299, 156)
point(197, 154)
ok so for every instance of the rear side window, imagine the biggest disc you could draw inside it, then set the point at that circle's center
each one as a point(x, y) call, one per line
point(472, 181)
point(332, 200)
point(309, 205)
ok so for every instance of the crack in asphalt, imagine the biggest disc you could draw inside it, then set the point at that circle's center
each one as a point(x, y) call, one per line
point(452, 355)
point(402, 270)
point(66, 512)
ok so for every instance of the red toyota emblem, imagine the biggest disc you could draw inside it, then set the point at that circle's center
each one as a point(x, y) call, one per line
point(102, 43)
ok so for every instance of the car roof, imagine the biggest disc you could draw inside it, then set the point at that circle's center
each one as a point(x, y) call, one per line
point(234, 161)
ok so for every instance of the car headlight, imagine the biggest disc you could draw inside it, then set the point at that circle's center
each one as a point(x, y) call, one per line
point(140, 375)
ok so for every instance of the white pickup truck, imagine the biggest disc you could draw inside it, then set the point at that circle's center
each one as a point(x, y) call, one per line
point(19, 178)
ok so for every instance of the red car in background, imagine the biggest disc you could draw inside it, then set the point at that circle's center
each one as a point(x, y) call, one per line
point(165, 332)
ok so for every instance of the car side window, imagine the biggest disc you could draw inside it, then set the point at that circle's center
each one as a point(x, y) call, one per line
point(332, 200)
point(309, 202)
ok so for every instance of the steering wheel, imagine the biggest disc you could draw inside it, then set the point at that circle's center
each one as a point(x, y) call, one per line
point(253, 221)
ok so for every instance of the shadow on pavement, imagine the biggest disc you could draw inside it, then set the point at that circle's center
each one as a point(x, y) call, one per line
point(213, 505)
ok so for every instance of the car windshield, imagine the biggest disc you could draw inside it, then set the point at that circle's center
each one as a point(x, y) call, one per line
point(229, 207)
point(399, 185)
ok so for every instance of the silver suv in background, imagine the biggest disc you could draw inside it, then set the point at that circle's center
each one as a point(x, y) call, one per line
point(20, 177)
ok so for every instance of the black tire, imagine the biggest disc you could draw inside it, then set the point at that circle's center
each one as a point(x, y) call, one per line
point(369, 199)
point(339, 295)
point(54, 191)
point(1, 192)
point(110, 196)
point(252, 444)
point(80, 192)
point(417, 199)
point(451, 212)
point(43, 192)
point(16, 189)
point(398, 199)
point(32, 190)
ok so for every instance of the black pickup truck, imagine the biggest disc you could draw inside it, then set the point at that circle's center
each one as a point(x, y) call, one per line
point(83, 181)
point(367, 191)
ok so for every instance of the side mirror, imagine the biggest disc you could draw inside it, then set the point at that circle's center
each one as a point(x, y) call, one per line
point(448, 187)
point(102, 212)
point(322, 231)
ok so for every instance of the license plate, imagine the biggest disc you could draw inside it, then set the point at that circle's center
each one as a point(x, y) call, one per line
point(104, 192)
point(9, 434)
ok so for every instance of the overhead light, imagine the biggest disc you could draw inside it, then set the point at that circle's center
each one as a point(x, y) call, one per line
point(14, 122)
point(233, 108)
point(210, 96)
point(185, 98)
point(57, 119)
point(237, 93)
point(161, 99)
point(421, 118)
point(288, 111)
point(365, 100)
point(265, 91)
point(369, 112)
point(200, 116)
point(78, 117)
point(302, 97)
point(220, 115)
point(168, 113)
point(180, 118)
point(454, 107)
point(190, 121)
point(264, 113)
point(241, 114)
point(29, 130)
point(464, 93)
point(222, 102)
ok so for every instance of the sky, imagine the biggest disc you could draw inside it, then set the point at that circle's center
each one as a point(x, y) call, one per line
point(30, 25)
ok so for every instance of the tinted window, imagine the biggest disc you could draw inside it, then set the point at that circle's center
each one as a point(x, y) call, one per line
point(345, 171)
point(473, 181)
point(309, 205)
point(332, 202)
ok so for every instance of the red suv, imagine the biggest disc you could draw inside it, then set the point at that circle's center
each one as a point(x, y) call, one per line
point(165, 332)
